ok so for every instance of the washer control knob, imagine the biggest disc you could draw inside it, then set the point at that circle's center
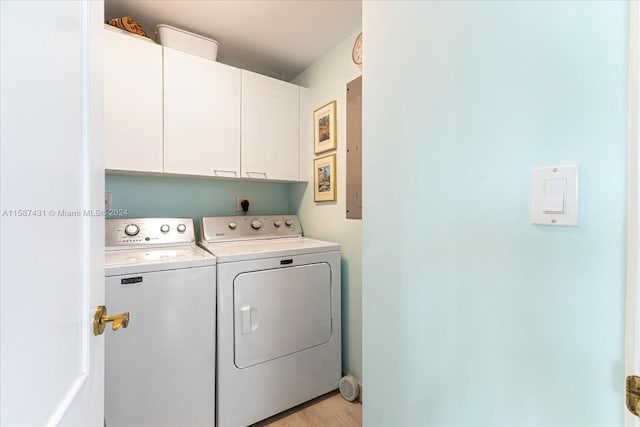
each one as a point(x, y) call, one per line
point(131, 230)
point(233, 225)
point(182, 228)
point(164, 228)
point(277, 223)
point(256, 224)
point(288, 222)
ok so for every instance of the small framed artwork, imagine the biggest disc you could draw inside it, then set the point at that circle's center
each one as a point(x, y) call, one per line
point(325, 178)
point(324, 128)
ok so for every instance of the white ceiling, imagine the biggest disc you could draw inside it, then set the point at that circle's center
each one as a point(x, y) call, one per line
point(279, 38)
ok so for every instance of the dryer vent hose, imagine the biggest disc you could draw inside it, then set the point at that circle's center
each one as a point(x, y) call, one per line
point(349, 388)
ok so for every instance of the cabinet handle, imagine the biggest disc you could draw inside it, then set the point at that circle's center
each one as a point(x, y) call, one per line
point(216, 171)
point(256, 173)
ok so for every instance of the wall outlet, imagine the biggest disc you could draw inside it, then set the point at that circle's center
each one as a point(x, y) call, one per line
point(239, 200)
point(107, 201)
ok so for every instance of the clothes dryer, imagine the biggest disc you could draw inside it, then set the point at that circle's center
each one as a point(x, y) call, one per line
point(278, 315)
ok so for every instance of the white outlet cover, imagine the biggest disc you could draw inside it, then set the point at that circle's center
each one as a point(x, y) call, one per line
point(549, 184)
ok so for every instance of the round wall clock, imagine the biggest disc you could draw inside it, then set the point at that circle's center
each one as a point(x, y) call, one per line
point(356, 54)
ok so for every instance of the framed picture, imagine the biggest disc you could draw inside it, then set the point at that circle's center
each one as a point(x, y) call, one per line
point(324, 128)
point(325, 178)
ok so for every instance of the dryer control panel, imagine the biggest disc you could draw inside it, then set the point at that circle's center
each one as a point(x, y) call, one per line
point(249, 227)
point(141, 232)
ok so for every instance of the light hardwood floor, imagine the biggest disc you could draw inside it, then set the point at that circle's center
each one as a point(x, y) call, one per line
point(329, 410)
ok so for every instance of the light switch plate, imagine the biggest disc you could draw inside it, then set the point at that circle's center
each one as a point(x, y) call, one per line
point(107, 201)
point(546, 191)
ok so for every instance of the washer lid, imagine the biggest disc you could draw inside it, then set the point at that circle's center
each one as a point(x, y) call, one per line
point(267, 248)
point(156, 259)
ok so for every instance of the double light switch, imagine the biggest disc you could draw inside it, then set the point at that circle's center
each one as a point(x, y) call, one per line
point(555, 195)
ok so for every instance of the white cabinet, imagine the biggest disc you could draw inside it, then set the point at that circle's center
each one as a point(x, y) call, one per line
point(168, 111)
point(270, 128)
point(201, 116)
point(132, 102)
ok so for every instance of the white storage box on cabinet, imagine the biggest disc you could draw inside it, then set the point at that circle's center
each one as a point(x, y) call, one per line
point(201, 116)
point(270, 128)
point(132, 102)
point(185, 41)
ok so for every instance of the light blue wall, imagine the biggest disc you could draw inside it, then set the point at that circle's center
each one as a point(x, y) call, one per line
point(192, 197)
point(471, 315)
point(327, 80)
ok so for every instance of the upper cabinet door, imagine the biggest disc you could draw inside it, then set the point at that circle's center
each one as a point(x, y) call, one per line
point(270, 128)
point(132, 102)
point(201, 116)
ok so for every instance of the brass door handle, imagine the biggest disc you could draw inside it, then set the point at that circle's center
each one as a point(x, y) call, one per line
point(100, 320)
point(633, 395)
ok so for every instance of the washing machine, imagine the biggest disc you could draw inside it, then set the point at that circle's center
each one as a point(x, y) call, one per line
point(278, 315)
point(160, 370)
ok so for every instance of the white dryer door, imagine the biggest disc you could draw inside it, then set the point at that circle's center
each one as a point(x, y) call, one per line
point(281, 311)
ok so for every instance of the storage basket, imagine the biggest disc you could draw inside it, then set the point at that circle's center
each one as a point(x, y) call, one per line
point(185, 41)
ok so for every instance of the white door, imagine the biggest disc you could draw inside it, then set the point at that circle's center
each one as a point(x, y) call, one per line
point(632, 326)
point(52, 276)
point(132, 102)
point(270, 128)
point(201, 116)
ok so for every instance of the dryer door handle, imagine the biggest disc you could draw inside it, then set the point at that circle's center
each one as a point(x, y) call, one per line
point(249, 319)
